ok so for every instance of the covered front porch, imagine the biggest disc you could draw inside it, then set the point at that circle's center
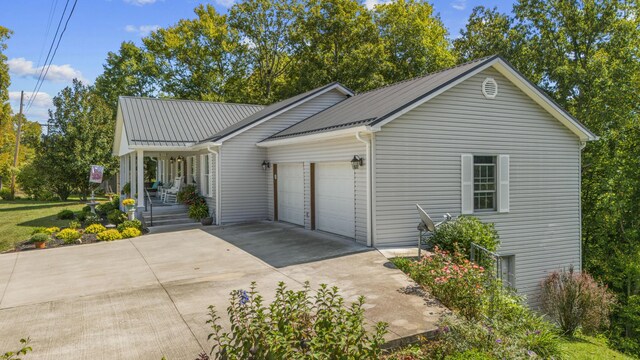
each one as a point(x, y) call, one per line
point(154, 177)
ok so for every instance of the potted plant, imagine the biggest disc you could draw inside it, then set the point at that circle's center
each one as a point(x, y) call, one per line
point(200, 211)
point(130, 205)
point(40, 240)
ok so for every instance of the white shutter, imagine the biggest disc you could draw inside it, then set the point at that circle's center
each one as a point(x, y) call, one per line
point(467, 183)
point(503, 183)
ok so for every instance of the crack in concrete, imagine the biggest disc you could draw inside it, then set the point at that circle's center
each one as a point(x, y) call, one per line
point(13, 269)
point(169, 296)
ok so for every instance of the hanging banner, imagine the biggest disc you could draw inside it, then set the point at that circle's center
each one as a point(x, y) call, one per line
point(95, 175)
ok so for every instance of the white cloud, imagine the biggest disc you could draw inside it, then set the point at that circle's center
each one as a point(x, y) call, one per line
point(142, 30)
point(39, 109)
point(225, 3)
point(140, 2)
point(370, 4)
point(459, 4)
point(22, 67)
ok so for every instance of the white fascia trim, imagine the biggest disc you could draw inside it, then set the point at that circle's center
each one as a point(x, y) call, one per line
point(338, 87)
point(315, 137)
point(203, 146)
point(161, 148)
point(521, 83)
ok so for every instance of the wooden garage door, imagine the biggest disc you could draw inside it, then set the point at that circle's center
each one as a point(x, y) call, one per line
point(291, 193)
point(334, 198)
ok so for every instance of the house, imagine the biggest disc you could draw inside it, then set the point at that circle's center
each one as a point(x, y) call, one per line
point(476, 139)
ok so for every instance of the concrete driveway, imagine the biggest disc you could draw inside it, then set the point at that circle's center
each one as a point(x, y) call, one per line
point(147, 297)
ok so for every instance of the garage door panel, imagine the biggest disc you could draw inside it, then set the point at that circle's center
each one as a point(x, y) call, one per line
point(335, 209)
point(291, 193)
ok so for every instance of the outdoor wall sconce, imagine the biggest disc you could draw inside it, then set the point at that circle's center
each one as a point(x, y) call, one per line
point(171, 159)
point(180, 158)
point(356, 162)
point(266, 165)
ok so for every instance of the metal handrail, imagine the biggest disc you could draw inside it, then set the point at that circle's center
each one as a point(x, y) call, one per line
point(480, 255)
point(146, 192)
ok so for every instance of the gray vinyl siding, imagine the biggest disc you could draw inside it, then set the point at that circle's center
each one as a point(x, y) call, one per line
point(244, 183)
point(334, 150)
point(418, 161)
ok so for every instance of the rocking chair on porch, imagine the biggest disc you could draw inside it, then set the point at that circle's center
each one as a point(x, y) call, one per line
point(171, 194)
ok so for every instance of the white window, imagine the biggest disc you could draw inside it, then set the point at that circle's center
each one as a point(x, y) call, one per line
point(485, 183)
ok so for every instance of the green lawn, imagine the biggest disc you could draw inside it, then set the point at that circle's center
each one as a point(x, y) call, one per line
point(18, 218)
point(590, 348)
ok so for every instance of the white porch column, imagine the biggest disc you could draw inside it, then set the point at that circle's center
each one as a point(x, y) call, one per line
point(187, 172)
point(132, 173)
point(120, 176)
point(140, 176)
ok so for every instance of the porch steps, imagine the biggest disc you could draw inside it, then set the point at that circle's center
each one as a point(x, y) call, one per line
point(167, 215)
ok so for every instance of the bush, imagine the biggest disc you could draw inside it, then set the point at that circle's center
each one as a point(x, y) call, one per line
point(126, 189)
point(86, 209)
point(14, 355)
point(68, 235)
point(65, 215)
point(297, 324)
point(135, 223)
point(188, 195)
point(32, 182)
point(94, 229)
point(459, 234)
point(455, 281)
point(39, 237)
point(104, 208)
point(576, 300)
point(5, 194)
point(90, 219)
point(198, 211)
point(109, 235)
point(39, 230)
point(116, 216)
point(51, 230)
point(130, 233)
point(73, 224)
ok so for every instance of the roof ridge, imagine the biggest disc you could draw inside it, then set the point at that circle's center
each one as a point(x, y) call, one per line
point(428, 74)
point(187, 100)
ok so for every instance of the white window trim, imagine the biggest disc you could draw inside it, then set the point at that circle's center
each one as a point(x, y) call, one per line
point(467, 184)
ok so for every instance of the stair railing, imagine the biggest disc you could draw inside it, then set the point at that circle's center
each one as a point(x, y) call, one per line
point(150, 206)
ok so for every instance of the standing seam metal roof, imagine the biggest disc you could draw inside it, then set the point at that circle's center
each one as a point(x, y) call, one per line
point(172, 122)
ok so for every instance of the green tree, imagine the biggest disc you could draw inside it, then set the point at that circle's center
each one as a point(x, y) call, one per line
point(81, 134)
point(414, 39)
point(129, 72)
point(6, 125)
point(338, 41)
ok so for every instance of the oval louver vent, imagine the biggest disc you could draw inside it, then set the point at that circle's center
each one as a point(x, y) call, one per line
point(489, 88)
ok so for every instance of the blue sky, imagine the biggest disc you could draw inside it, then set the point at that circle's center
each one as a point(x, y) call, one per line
point(99, 26)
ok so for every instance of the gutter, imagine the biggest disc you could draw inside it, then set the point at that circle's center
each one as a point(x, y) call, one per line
point(217, 153)
point(367, 144)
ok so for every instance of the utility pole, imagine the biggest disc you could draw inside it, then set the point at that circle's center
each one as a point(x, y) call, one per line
point(15, 155)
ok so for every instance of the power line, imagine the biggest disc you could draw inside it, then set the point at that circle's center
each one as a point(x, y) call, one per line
point(48, 60)
point(52, 10)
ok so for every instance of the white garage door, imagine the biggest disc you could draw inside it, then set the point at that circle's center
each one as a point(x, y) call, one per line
point(291, 193)
point(335, 199)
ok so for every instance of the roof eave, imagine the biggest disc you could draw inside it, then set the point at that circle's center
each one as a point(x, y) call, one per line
point(306, 138)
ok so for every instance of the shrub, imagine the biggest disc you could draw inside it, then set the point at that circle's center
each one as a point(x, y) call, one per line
point(576, 300)
point(68, 235)
point(104, 208)
point(94, 229)
point(90, 219)
point(116, 216)
point(81, 216)
point(130, 233)
point(135, 223)
point(65, 215)
point(188, 195)
point(459, 234)
point(39, 230)
point(109, 235)
point(39, 237)
point(51, 230)
point(73, 224)
point(198, 211)
point(297, 324)
point(14, 355)
point(5, 194)
point(126, 189)
point(86, 209)
point(454, 280)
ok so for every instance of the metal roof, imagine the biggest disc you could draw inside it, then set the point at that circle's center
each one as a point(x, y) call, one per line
point(172, 122)
point(271, 110)
point(373, 106)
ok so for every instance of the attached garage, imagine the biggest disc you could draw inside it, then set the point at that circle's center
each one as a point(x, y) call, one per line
point(290, 193)
point(334, 198)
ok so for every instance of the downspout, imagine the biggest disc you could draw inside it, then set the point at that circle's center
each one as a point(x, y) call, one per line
point(217, 153)
point(367, 144)
point(583, 144)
